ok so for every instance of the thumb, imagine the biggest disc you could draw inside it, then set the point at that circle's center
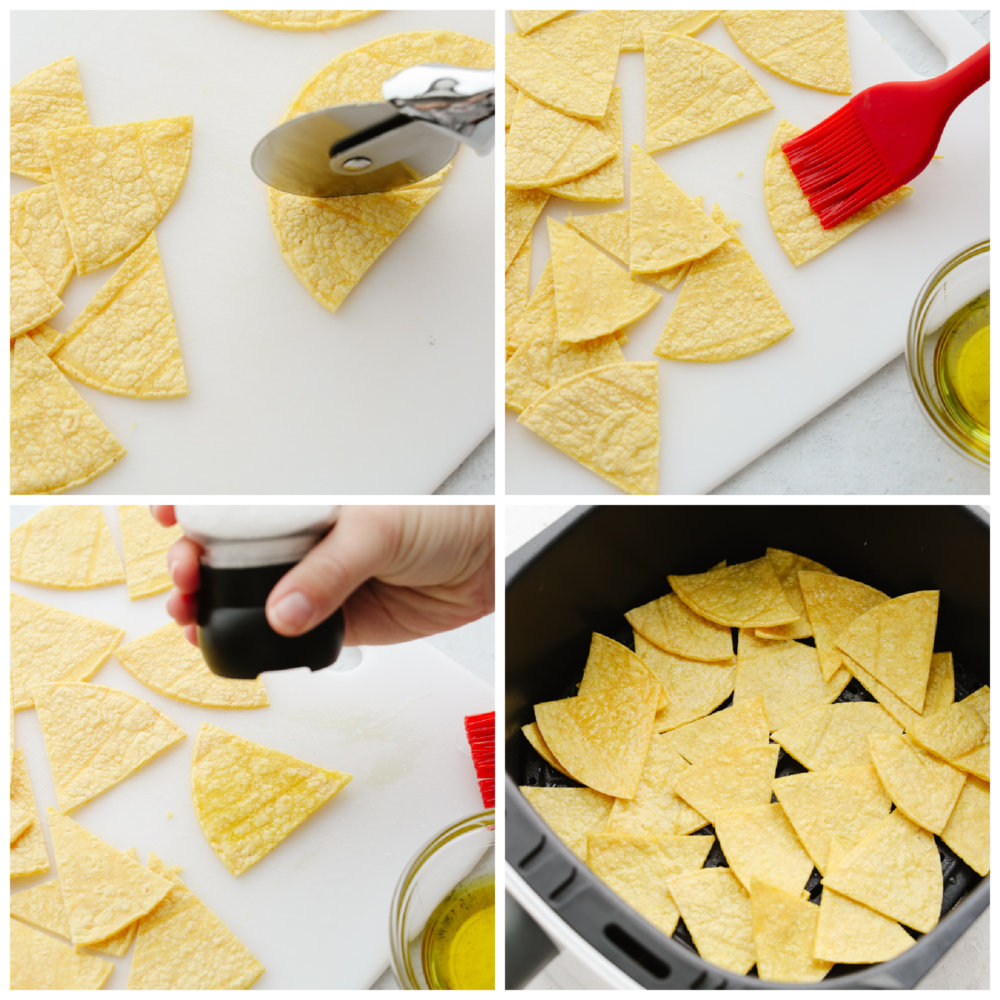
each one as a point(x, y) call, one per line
point(357, 548)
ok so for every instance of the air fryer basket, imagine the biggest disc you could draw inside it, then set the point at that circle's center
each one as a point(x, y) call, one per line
point(585, 571)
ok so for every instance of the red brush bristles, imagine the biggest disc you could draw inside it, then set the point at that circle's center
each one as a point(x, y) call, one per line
point(480, 731)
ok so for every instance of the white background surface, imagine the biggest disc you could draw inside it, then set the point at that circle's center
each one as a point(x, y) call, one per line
point(966, 966)
point(387, 395)
point(849, 305)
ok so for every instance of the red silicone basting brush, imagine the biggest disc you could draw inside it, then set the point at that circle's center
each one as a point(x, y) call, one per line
point(881, 138)
point(479, 730)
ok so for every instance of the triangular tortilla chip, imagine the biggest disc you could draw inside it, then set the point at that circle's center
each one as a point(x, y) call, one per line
point(977, 760)
point(716, 910)
point(27, 855)
point(736, 779)
point(96, 737)
point(895, 870)
point(50, 97)
point(671, 625)
point(146, 542)
point(516, 285)
point(167, 663)
point(608, 420)
point(182, 926)
point(654, 810)
point(952, 732)
point(115, 182)
point(521, 209)
point(609, 666)
point(38, 962)
point(534, 737)
point(784, 926)
point(835, 735)
point(746, 595)
point(607, 182)
point(940, 689)
point(786, 674)
point(693, 89)
point(539, 316)
point(635, 868)
point(32, 302)
point(48, 645)
point(65, 546)
point(759, 842)
point(124, 342)
point(46, 338)
point(852, 933)
point(509, 99)
point(726, 308)
point(736, 726)
point(968, 829)
point(594, 297)
point(38, 228)
point(922, 787)
point(572, 813)
point(788, 565)
point(807, 47)
point(237, 787)
point(20, 820)
point(527, 20)
point(795, 224)
point(667, 227)
point(841, 803)
point(56, 440)
point(894, 642)
point(103, 888)
point(676, 22)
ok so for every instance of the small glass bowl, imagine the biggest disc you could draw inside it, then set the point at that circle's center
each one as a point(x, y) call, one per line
point(460, 852)
point(959, 280)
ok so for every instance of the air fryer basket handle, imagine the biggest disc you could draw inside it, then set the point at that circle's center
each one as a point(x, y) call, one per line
point(528, 949)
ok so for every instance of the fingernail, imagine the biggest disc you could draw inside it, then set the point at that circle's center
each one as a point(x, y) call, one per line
point(293, 610)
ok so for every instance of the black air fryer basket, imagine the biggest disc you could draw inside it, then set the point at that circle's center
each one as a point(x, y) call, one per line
point(583, 573)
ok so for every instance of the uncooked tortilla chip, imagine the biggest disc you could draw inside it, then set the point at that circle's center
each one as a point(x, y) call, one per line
point(607, 182)
point(146, 542)
point(784, 926)
point(527, 20)
point(115, 183)
point(96, 737)
point(594, 297)
point(655, 810)
point(182, 926)
point(39, 962)
point(940, 689)
point(539, 316)
point(38, 228)
point(516, 285)
point(20, 820)
point(521, 209)
point(28, 855)
point(48, 645)
point(56, 440)
point(51, 97)
point(534, 737)
point(736, 726)
point(675, 22)
point(807, 47)
point(746, 595)
point(726, 308)
point(895, 870)
point(894, 642)
point(968, 829)
point(292, 20)
point(786, 674)
point(509, 99)
point(65, 546)
point(124, 342)
point(796, 225)
point(716, 910)
point(667, 228)
point(636, 867)
point(924, 788)
point(693, 89)
point(167, 663)
point(248, 798)
point(831, 604)
point(572, 813)
point(841, 803)
point(759, 842)
point(835, 735)
point(671, 625)
point(32, 302)
point(608, 420)
point(736, 779)
point(788, 565)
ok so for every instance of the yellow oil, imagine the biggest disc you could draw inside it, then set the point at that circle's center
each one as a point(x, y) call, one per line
point(962, 368)
point(458, 952)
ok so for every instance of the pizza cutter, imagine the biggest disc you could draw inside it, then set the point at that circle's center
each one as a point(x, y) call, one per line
point(349, 149)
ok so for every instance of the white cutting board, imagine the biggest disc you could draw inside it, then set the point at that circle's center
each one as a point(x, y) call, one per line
point(387, 395)
point(850, 305)
point(315, 910)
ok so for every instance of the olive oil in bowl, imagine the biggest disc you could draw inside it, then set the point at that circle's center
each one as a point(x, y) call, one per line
point(962, 367)
point(458, 947)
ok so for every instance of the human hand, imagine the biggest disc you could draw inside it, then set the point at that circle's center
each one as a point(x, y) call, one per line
point(398, 572)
